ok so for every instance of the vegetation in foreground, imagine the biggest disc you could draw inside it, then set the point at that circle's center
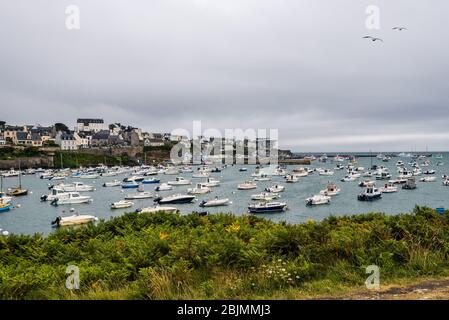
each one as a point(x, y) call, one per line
point(166, 256)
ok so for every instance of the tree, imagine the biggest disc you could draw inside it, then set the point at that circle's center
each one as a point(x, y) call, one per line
point(61, 127)
point(2, 124)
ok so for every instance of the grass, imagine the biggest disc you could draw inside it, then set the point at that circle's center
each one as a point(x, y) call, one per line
point(167, 256)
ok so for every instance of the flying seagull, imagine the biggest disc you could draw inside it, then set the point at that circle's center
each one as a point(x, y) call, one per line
point(399, 28)
point(373, 38)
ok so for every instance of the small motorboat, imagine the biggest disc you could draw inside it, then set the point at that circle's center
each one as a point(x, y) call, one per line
point(55, 193)
point(291, 178)
point(176, 198)
point(151, 181)
point(89, 176)
point(158, 208)
point(71, 198)
point(201, 174)
point(75, 187)
point(326, 172)
point(243, 169)
point(139, 195)
point(301, 172)
point(18, 192)
point(130, 185)
point(383, 175)
point(410, 184)
point(317, 200)
point(331, 190)
point(4, 232)
point(262, 177)
point(446, 182)
point(398, 180)
point(348, 178)
point(275, 189)
point(134, 179)
point(121, 204)
point(171, 171)
point(72, 220)
point(429, 172)
point(367, 183)
point(265, 196)
point(388, 188)
point(267, 207)
point(428, 179)
point(211, 182)
point(114, 183)
point(199, 189)
point(164, 187)
point(247, 185)
point(179, 181)
point(215, 202)
point(370, 194)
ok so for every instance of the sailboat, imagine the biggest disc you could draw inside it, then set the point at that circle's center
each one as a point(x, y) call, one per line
point(5, 202)
point(18, 192)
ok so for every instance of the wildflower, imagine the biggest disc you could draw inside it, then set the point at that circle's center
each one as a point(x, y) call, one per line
point(163, 235)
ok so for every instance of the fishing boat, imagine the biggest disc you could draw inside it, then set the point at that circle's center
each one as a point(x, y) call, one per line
point(164, 187)
point(318, 200)
point(265, 196)
point(199, 189)
point(114, 183)
point(176, 198)
point(71, 198)
point(139, 195)
point(267, 207)
point(75, 219)
point(121, 204)
point(215, 202)
point(179, 181)
point(388, 188)
point(158, 208)
point(151, 181)
point(410, 184)
point(331, 190)
point(275, 189)
point(370, 194)
point(247, 185)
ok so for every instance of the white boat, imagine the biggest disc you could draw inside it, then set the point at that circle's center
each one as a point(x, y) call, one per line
point(11, 173)
point(158, 208)
point(370, 194)
point(4, 232)
point(215, 202)
point(331, 190)
point(348, 178)
point(164, 187)
point(446, 182)
point(291, 178)
point(199, 189)
point(109, 174)
point(275, 189)
point(326, 172)
point(171, 171)
point(262, 177)
point(266, 196)
point(71, 198)
point(121, 204)
point(201, 174)
point(139, 195)
point(55, 193)
point(211, 182)
point(428, 172)
point(301, 172)
point(317, 200)
point(114, 183)
point(388, 188)
point(367, 183)
point(75, 219)
point(75, 187)
point(179, 181)
point(89, 176)
point(247, 185)
point(398, 180)
point(383, 175)
point(186, 170)
point(428, 179)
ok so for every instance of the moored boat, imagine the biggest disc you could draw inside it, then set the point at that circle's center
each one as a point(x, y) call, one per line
point(267, 207)
point(121, 204)
point(370, 194)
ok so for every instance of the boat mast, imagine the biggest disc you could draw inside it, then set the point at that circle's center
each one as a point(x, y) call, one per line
point(20, 176)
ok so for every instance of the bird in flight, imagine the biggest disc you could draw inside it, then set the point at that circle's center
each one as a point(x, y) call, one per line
point(399, 28)
point(373, 38)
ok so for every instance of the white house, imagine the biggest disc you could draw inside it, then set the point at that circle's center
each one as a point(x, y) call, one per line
point(93, 125)
point(66, 141)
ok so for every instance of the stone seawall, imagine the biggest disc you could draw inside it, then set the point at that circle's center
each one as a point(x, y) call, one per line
point(27, 162)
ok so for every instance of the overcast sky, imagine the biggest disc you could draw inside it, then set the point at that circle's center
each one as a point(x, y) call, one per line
point(300, 66)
